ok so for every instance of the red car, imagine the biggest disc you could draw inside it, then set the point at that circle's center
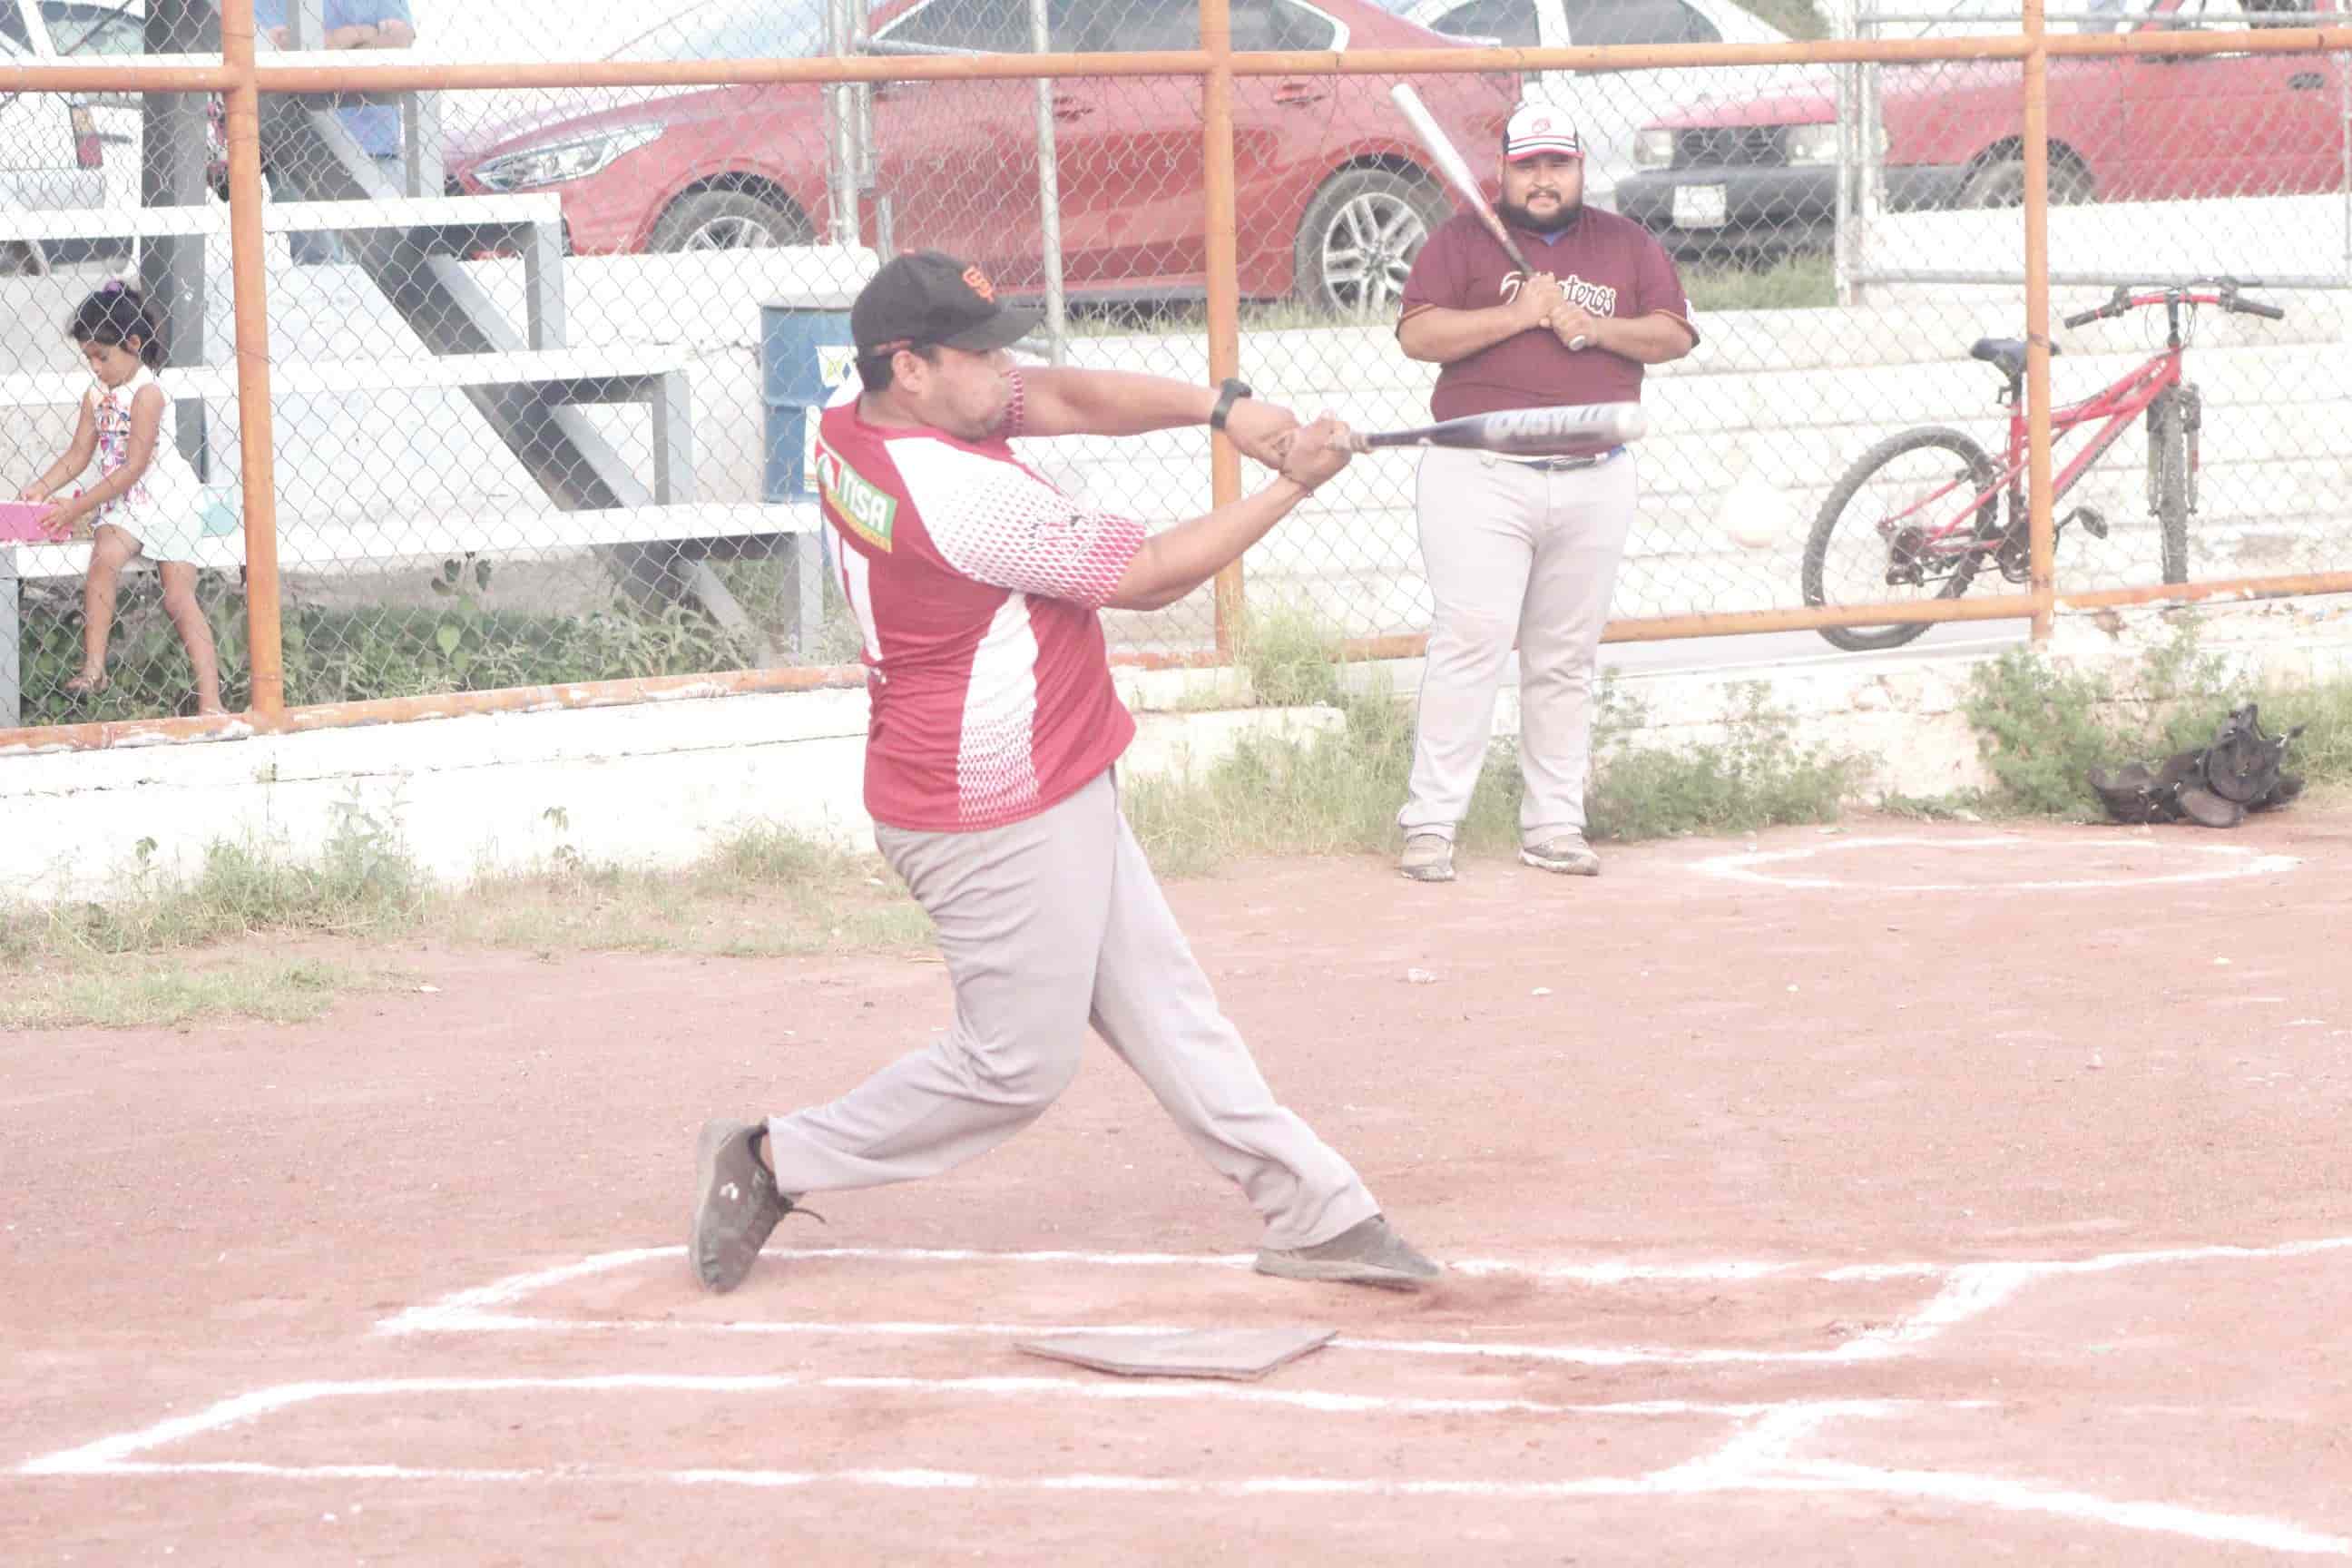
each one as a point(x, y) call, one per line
point(1334, 194)
point(1762, 174)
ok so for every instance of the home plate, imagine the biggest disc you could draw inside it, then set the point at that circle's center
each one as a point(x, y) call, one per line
point(1192, 1353)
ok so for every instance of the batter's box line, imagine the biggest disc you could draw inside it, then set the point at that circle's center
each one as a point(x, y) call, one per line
point(2223, 862)
point(1756, 1458)
point(1968, 1290)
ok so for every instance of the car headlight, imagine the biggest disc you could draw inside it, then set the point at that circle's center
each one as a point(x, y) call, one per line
point(1655, 148)
point(1810, 144)
point(561, 160)
point(1818, 144)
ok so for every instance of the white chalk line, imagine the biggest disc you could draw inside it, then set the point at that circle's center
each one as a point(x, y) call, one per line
point(1755, 1458)
point(2231, 861)
point(1968, 1290)
point(429, 1317)
point(105, 1454)
point(1869, 1346)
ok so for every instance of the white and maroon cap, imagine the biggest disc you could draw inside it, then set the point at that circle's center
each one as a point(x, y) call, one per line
point(1537, 128)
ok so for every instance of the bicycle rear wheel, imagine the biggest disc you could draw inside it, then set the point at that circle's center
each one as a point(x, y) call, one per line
point(2167, 479)
point(1867, 547)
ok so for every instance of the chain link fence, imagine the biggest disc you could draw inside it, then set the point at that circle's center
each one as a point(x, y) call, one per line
point(543, 359)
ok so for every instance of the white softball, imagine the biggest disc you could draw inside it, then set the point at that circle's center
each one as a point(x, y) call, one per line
point(1755, 515)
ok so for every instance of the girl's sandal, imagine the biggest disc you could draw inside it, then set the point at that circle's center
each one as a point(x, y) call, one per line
point(86, 685)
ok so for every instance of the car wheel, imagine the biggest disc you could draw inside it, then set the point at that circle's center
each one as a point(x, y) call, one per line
point(1359, 236)
point(727, 220)
point(2001, 184)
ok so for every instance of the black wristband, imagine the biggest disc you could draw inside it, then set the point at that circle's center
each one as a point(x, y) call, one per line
point(1229, 391)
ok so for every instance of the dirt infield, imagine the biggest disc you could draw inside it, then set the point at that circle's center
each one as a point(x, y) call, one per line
point(1908, 1192)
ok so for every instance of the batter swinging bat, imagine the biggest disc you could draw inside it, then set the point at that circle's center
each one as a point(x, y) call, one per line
point(1574, 429)
point(1457, 175)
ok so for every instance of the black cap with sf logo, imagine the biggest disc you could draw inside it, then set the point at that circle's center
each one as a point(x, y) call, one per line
point(926, 296)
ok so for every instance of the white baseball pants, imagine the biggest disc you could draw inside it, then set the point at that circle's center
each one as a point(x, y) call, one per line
point(1513, 550)
point(1047, 926)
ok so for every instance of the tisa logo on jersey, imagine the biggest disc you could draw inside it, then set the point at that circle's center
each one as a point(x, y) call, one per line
point(864, 506)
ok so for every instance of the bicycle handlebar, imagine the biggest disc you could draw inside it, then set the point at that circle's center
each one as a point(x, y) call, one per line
point(2125, 300)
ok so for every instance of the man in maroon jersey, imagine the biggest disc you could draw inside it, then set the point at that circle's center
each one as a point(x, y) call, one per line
point(989, 774)
point(1526, 548)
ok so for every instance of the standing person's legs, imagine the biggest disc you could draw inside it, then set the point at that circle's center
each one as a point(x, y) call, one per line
point(110, 551)
point(1568, 596)
point(195, 632)
point(1020, 913)
point(1156, 1010)
point(1478, 521)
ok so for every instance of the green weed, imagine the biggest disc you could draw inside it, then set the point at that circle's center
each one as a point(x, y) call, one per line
point(2040, 729)
point(1802, 281)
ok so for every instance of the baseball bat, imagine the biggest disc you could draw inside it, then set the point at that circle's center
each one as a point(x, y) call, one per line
point(1575, 429)
point(1457, 172)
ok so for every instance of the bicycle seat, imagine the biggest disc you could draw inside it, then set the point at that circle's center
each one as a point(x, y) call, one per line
point(2009, 353)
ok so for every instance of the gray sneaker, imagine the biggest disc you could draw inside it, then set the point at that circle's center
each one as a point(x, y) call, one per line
point(1366, 1254)
point(1568, 854)
point(736, 1203)
point(1428, 858)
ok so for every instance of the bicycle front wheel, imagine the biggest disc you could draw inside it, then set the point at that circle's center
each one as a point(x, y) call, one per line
point(2167, 459)
point(1897, 527)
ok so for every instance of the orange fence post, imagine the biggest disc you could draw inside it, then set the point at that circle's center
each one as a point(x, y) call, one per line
point(265, 633)
point(2041, 537)
point(1224, 280)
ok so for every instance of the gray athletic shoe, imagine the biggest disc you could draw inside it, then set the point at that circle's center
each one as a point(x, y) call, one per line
point(1568, 854)
point(1366, 1254)
point(1428, 858)
point(736, 1203)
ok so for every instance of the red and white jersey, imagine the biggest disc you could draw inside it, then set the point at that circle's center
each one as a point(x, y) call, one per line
point(975, 582)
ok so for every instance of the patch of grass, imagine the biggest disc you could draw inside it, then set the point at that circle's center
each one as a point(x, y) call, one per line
point(162, 993)
point(362, 884)
point(1789, 283)
point(1292, 660)
point(1339, 791)
point(768, 591)
point(760, 892)
point(461, 642)
point(169, 951)
point(1332, 792)
point(1961, 805)
point(1758, 775)
point(1803, 281)
point(1189, 317)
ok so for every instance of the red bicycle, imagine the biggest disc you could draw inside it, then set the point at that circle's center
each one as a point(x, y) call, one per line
point(1925, 509)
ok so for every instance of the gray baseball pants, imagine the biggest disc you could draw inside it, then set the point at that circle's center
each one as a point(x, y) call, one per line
point(1513, 550)
point(1047, 926)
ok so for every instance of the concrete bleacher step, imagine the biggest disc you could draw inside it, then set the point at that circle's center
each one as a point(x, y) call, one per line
point(211, 217)
point(576, 374)
point(312, 548)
